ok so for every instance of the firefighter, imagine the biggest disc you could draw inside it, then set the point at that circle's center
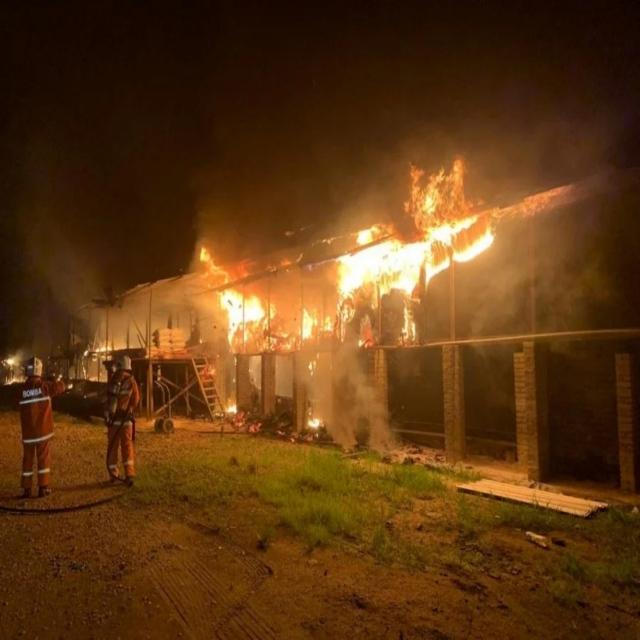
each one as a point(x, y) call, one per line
point(123, 397)
point(36, 418)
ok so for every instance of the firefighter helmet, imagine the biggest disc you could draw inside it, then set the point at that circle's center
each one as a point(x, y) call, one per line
point(123, 362)
point(33, 367)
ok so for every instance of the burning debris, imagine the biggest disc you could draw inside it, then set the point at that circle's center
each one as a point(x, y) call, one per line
point(279, 426)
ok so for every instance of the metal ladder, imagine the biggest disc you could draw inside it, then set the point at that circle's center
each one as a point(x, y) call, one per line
point(207, 386)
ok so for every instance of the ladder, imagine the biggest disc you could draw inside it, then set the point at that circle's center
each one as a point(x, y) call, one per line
point(207, 386)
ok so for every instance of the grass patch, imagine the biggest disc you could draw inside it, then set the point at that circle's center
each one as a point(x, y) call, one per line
point(318, 499)
point(418, 482)
point(566, 591)
point(530, 518)
point(574, 567)
point(317, 494)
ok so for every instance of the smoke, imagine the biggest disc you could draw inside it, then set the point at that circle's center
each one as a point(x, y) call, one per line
point(360, 414)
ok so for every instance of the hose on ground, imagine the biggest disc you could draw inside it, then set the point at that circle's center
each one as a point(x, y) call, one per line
point(76, 507)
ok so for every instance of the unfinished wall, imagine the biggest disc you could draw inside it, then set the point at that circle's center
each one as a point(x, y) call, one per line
point(415, 395)
point(268, 388)
point(582, 411)
point(489, 401)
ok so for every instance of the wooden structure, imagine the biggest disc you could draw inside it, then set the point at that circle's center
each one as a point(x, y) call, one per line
point(199, 387)
point(534, 497)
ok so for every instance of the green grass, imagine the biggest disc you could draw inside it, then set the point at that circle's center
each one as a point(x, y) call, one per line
point(323, 498)
point(566, 591)
point(317, 494)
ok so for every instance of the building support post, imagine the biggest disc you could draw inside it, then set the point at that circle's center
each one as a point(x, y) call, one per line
point(300, 393)
point(628, 429)
point(453, 392)
point(268, 392)
point(150, 364)
point(532, 420)
point(378, 379)
point(243, 383)
point(221, 381)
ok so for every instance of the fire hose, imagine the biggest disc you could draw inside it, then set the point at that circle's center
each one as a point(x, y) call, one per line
point(49, 510)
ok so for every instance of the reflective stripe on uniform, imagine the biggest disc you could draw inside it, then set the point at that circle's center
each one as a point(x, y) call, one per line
point(34, 440)
point(128, 463)
point(34, 400)
point(113, 466)
point(27, 473)
point(44, 470)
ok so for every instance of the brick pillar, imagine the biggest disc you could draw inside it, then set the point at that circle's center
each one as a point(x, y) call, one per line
point(268, 395)
point(378, 378)
point(300, 395)
point(453, 391)
point(628, 429)
point(521, 410)
point(532, 423)
point(243, 383)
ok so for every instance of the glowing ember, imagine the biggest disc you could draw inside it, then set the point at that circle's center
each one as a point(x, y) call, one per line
point(314, 423)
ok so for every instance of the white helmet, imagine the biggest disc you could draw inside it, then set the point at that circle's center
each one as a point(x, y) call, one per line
point(33, 367)
point(123, 362)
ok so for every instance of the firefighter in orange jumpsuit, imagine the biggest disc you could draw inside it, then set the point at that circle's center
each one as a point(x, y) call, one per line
point(36, 418)
point(123, 397)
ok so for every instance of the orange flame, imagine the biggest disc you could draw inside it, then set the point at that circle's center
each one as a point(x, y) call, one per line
point(446, 228)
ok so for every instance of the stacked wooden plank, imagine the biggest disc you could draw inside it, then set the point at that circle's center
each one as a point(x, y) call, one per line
point(535, 497)
point(169, 343)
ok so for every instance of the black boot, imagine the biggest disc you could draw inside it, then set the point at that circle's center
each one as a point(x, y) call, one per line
point(26, 493)
point(129, 482)
point(43, 492)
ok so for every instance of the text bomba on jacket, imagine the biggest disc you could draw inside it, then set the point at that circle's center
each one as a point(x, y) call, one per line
point(30, 394)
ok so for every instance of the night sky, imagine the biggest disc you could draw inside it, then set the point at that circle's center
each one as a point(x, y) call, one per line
point(130, 130)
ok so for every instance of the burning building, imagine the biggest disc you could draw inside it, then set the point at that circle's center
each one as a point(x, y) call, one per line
point(449, 325)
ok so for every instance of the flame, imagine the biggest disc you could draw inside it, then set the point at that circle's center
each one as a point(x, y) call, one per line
point(232, 409)
point(309, 324)
point(242, 311)
point(446, 229)
point(245, 314)
point(314, 423)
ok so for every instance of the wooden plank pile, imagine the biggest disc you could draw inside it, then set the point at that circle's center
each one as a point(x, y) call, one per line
point(169, 343)
point(536, 497)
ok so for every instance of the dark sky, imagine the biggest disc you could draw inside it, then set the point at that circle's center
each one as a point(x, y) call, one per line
point(130, 129)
